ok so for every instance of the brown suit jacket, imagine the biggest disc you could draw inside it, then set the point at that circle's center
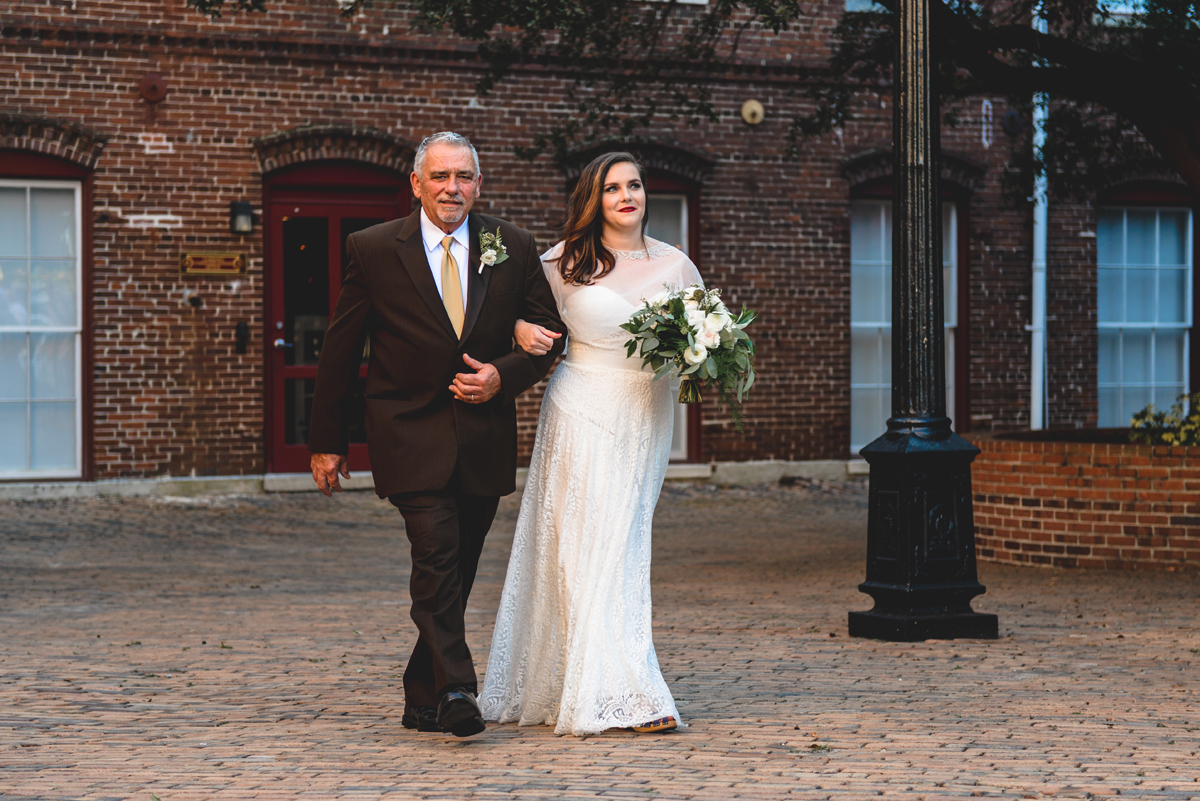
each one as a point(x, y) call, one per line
point(416, 431)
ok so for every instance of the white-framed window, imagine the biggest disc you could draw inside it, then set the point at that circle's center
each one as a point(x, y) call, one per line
point(871, 314)
point(41, 317)
point(1144, 309)
point(668, 222)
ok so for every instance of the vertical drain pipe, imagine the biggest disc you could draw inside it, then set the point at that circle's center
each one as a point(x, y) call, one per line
point(1039, 417)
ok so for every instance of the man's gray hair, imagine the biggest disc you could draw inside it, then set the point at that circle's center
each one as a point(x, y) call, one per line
point(442, 138)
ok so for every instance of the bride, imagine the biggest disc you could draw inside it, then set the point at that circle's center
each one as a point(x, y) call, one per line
point(572, 646)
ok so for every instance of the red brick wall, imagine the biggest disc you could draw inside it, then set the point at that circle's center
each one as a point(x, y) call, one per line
point(173, 397)
point(1064, 504)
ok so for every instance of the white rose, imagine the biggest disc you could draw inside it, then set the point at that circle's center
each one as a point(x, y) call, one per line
point(695, 318)
point(709, 339)
point(695, 355)
point(716, 322)
point(691, 305)
point(488, 257)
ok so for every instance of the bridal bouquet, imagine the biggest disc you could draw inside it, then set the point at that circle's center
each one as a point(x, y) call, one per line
point(689, 331)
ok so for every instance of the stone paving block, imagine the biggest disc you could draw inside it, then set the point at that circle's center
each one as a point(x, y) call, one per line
point(251, 647)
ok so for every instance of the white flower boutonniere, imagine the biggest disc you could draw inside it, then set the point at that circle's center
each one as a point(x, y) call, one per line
point(492, 249)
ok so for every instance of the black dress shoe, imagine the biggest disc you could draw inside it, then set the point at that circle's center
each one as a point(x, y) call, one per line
point(421, 718)
point(458, 713)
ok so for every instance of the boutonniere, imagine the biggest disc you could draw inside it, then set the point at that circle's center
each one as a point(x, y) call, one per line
point(492, 248)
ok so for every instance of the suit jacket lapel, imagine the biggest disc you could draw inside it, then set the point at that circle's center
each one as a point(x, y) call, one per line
point(477, 280)
point(412, 256)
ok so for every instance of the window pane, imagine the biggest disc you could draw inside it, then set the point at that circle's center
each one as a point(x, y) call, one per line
point(1110, 295)
point(885, 349)
point(1110, 408)
point(866, 232)
point(1133, 400)
point(948, 295)
point(14, 292)
point(12, 223)
point(866, 416)
point(52, 222)
point(52, 374)
point(305, 288)
point(1108, 362)
point(1135, 357)
point(1168, 358)
point(1110, 237)
point(865, 358)
point(1167, 394)
point(1172, 237)
point(52, 436)
point(666, 220)
point(1141, 245)
point(1139, 296)
point(1172, 296)
point(14, 367)
point(13, 426)
point(866, 294)
point(52, 293)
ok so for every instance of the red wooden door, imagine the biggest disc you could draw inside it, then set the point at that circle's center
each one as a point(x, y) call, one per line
point(308, 214)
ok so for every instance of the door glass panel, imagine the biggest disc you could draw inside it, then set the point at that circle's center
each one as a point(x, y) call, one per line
point(305, 288)
point(352, 225)
point(297, 412)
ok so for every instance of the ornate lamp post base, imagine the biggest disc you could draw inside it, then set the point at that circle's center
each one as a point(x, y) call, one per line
point(921, 537)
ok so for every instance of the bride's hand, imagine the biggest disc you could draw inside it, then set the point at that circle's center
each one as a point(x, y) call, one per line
point(533, 339)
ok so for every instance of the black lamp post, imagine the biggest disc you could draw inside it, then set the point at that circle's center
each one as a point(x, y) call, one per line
point(920, 531)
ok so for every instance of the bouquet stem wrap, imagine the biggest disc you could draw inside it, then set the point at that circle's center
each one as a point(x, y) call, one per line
point(689, 391)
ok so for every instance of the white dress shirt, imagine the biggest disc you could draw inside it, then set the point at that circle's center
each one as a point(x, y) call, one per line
point(460, 249)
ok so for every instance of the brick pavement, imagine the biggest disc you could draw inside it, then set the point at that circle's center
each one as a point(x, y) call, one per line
point(251, 647)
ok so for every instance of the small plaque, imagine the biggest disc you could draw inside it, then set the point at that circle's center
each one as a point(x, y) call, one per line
point(212, 263)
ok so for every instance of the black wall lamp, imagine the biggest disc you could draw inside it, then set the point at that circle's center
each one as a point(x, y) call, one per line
point(241, 217)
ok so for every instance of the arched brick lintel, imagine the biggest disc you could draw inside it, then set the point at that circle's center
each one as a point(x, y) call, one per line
point(326, 142)
point(73, 142)
point(876, 163)
point(666, 157)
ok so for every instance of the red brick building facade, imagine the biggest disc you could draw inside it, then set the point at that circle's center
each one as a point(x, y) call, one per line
point(312, 120)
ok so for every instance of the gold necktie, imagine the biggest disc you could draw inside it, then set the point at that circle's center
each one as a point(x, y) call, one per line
point(452, 297)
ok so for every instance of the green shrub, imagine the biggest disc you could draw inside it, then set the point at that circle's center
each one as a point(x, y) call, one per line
point(1180, 426)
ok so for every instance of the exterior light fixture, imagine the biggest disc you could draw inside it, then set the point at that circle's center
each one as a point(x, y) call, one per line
point(241, 217)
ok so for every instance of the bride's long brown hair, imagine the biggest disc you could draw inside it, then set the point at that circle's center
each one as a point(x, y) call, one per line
point(584, 257)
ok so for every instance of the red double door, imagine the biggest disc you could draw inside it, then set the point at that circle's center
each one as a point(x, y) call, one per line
point(307, 214)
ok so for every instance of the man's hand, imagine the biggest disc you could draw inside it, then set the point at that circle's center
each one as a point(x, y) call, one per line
point(325, 469)
point(477, 387)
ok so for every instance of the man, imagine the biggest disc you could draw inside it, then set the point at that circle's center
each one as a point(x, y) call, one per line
point(441, 384)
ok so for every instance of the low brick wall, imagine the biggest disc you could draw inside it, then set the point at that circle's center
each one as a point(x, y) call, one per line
point(1087, 504)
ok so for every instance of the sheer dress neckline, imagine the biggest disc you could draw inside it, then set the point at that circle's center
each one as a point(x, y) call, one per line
point(653, 250)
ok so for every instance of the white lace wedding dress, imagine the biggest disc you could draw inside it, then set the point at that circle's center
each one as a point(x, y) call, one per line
point(573, 646)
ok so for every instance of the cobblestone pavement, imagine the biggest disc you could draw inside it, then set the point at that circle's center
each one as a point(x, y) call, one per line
point(251, 647)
